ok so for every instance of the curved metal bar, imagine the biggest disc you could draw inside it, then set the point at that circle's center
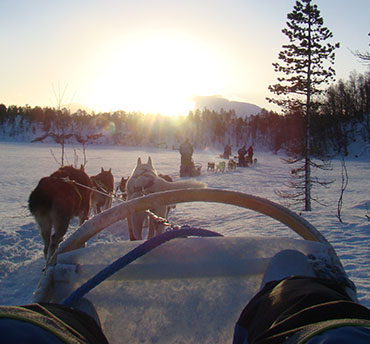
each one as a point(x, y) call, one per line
point(258, 204)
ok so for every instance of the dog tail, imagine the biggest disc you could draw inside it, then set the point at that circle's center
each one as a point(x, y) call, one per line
point(186, 184)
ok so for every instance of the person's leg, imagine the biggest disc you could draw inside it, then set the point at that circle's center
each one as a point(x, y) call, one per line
point(287, 301)
point(53, 322)
point(287, 263)
point(21, 332)
point(279, 300)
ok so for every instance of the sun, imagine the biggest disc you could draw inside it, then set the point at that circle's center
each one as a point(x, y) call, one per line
point(155, 74)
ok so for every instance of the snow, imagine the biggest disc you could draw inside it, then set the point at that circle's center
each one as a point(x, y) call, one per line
point(22, 165)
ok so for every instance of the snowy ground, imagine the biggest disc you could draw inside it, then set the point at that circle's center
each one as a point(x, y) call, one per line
point(22, 165)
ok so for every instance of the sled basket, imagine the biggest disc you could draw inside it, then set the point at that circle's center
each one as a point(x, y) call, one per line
point(186, 290)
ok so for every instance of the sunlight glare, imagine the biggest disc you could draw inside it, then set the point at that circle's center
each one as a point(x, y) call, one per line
point(157, 74)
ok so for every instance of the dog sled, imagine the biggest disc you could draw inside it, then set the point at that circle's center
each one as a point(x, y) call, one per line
point(247, 162)
point(191, 170)
point(187, 285)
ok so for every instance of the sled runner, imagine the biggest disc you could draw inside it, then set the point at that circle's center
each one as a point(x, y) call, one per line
point(187, 285)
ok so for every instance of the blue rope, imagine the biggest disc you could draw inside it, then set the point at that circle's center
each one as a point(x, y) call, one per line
point(134, 254)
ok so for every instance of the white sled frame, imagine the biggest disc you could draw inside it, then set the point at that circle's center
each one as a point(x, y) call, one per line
point(258, 204)
point(71, 258)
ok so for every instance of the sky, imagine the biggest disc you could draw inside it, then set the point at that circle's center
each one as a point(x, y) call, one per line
point(154, 55)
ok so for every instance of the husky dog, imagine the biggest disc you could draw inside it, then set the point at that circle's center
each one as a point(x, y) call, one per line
point(122, 184)
point(145, 180)
point(211, 166)
point(54, 202)
point(104, 183)
point(231, 165)
point(221, 166)
point(122, 187)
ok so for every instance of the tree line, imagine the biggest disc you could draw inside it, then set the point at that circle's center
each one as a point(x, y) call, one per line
point(342, 114)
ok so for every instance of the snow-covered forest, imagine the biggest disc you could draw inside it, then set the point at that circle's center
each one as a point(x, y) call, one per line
point(341, 116)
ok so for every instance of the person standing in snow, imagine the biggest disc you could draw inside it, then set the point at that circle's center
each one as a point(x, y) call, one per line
point(250, 154)
point(241, 153)
point(227, 151)
point(187, 165)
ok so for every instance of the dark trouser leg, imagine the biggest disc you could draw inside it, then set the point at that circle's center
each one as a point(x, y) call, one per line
point(70, 325)
point(294, 302)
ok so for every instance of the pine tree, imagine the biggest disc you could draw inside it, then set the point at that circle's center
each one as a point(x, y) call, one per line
point(302, 63)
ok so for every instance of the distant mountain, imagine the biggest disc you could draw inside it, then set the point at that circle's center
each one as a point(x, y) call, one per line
point(216, 103)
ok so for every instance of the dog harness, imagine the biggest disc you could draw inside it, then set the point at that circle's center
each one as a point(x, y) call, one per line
point(99, 185)
point(75, 187)
point(141, 189)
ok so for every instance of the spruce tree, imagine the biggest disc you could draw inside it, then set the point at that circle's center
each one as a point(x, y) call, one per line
point(303, 61)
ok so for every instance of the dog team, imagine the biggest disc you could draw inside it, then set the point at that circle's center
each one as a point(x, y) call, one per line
point(245, 159)
point(70, 192)
point(221, 166)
